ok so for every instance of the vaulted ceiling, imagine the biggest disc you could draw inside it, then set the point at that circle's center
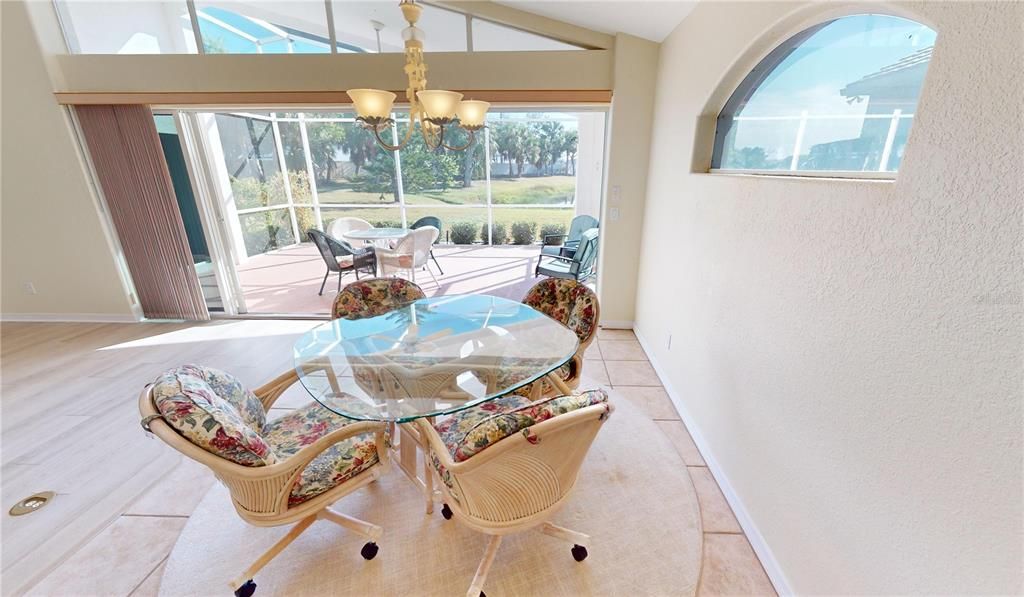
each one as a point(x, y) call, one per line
point(649, 19)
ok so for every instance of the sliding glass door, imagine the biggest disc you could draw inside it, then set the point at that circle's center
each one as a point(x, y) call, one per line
point(273, 175)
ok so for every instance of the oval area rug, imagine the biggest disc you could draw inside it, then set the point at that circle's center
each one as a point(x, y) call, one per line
point(633, 496)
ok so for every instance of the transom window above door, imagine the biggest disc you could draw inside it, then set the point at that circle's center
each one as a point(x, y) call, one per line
point(839, 97)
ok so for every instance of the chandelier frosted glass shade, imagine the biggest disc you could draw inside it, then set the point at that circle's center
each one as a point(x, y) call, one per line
point(472, 113)
point(439, 105)
point(372, 104)
point(435, 110)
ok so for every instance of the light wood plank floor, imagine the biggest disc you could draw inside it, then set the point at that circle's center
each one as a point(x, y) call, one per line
point(69, 421)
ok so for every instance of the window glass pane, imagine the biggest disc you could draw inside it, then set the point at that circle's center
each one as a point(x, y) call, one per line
point(492, 37)
point(350, 167)
point(295, 160)
point(378, 216)
point(442, 176)
point(353, 26)
point(533, 158)
point(250, 160)
point(127, 27)
point(280, 27)
point(266, 230)
point(526, 225)
point(837, 97)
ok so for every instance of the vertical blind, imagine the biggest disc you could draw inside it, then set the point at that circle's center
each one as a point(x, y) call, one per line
point(126, 153)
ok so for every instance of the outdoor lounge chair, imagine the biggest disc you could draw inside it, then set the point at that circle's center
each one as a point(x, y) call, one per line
point(341, 257)
point(579, 267)
point(567, 243)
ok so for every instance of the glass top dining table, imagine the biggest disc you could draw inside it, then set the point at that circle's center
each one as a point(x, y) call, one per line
point(431, 357)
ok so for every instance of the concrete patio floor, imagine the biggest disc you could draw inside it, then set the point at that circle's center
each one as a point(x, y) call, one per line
point(286, 281)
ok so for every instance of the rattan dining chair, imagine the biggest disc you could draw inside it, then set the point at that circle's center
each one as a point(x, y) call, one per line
point(289, 470)
point(575, 306)
point(508, 466)
point(374, 296)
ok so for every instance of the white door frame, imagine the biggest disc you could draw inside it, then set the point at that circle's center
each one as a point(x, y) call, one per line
point(222, 250)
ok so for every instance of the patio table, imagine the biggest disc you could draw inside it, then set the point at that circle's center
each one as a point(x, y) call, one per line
point(432, 357)
point(377, 236)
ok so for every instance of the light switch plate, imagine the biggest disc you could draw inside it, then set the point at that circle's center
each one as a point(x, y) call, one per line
point(613, 213)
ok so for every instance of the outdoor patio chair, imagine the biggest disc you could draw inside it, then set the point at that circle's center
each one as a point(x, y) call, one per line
point(508, 465)
point(338, 228)
point(287, 470)
point(579, 267)
point(436, 223)
point(566, 243)
point(410, 254)
point(341, 257)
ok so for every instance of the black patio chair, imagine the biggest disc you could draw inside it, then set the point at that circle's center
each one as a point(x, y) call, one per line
point(341, 257)
point(436, 223)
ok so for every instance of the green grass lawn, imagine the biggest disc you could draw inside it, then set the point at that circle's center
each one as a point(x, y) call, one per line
point(449, 216)
point(541, 190)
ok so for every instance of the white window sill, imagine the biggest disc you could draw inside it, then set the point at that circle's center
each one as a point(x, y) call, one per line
point(869, 177)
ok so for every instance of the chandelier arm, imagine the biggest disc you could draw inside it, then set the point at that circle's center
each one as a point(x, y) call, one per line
point(426, 139)
point(472, 136)
point(385, 144)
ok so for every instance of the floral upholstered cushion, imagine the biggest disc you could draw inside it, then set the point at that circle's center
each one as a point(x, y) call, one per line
point(468, 432)
point(377, 296)
point(340, 462)
point(510, 375)
point(214, 411)
point(566, 301)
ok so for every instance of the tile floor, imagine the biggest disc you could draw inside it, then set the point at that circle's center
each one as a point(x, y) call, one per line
point(287, 280)
point(133, 549)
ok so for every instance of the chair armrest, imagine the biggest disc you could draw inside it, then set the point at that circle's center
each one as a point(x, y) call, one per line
point(301, 459)
point(550, 236)
point(269, 392)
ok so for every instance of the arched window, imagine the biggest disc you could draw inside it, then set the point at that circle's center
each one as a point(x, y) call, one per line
point(838, 97)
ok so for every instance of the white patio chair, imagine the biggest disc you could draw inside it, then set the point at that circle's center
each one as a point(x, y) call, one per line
point(411, 253)
point(342, 226)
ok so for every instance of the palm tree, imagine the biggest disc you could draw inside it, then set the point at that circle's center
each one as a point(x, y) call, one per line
point(360, 145)
point(570, 145)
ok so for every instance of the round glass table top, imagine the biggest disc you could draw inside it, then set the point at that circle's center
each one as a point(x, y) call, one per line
point(377, 233)
point(431, 357)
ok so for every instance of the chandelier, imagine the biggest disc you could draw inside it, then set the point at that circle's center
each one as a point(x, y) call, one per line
point(437, 111)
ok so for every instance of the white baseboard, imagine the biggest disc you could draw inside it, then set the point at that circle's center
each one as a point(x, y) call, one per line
point(757, 541)
point(616, 325)
point(69, 317)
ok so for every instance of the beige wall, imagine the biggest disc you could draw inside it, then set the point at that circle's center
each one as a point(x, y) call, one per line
point(848, 353)
point(51, 233)
point(635, 70)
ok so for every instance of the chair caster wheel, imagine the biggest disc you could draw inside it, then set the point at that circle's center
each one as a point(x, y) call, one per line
point(246, 590)
point(579, 553)
point(446, 512)
point(369, 551)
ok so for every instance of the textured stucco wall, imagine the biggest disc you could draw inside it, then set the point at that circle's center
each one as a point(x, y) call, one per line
point(850, 351)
